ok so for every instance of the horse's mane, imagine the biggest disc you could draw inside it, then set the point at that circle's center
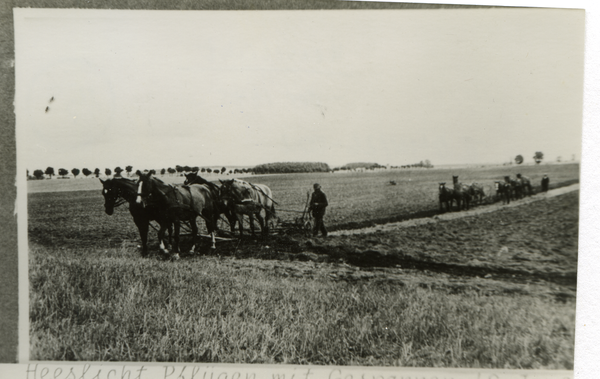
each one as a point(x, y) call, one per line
point(129, 182)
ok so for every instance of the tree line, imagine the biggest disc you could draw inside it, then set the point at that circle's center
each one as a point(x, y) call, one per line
point(62, 172)
point(290, 167)
point(267, 168)
point(373, 166)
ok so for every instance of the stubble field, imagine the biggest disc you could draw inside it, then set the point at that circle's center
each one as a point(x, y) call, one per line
point(491, 290)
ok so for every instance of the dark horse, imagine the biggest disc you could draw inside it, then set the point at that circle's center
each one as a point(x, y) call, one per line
point(179, 203)
point(503, 191)
point(118, 191)
point(516, 187)
point(526, 187)
point(446, 196)
point(462, 194)
point(194, 178)
point(251, 199)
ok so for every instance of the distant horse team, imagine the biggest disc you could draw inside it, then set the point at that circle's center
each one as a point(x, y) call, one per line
point(465, 194)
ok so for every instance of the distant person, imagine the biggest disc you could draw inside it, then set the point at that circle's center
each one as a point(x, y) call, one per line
point(545, 183)
point(318, 203)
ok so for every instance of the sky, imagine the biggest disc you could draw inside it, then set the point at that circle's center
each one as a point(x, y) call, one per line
point(156, 89)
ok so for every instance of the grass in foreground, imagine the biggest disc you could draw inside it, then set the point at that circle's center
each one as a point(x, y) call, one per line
point(110, 305)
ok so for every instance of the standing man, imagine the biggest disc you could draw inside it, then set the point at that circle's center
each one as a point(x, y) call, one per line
point(318, 203)
point(545, 183)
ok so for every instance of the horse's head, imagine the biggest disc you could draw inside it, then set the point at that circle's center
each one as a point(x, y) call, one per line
point(111, 194)
point(190, 178)
point(442, 187)
point(454, 179)
point(145, 186)
point(234, 191)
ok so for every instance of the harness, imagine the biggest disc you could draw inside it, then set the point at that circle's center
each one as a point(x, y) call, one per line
point(263, 192)
point(179, 204)
point(119, 197)
point(120, 200)
point(245, 202)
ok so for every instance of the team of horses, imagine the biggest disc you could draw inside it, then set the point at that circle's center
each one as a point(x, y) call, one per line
point(465, 195)
point(151, 199)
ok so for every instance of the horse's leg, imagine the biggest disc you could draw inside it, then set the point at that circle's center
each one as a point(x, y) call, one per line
point(240, 220)
point(194, 234)
point(263, 227)
point(231, 218)
point(175, 250)
point(142, 225)
point(213, 228)
point(268, 216)
point(170, 230)
point(251, 216)
point(161, 238)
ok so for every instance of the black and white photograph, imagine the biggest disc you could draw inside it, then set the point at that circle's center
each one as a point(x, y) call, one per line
point(329, 187)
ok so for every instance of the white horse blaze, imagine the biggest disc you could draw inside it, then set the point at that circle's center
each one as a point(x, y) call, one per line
point(138, 199)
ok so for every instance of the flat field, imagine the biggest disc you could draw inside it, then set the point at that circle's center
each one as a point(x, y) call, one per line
point(491, 290)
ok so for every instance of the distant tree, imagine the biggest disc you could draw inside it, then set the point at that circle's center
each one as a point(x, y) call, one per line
point(118, 171)
point(538, 157)
point(171, 170)
point(75, 172)
point(38, 174)
point(107, 172)
point(187, 168)
point(231, 171)
point(86, 172)
point(223, 169)
point(62, 172)
point(179, 169)
point(128, 169)
point(195, 169)
point(49, 171)
point(162, 172)
point(203, 169)
point(27, 174)
point(209, 170)
point(519, 159)
point(97, 172)
point(153, 172)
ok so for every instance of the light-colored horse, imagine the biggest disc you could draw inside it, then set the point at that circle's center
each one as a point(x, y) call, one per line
point(250, 199)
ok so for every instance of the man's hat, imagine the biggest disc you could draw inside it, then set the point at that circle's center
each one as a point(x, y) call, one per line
point(316, 186)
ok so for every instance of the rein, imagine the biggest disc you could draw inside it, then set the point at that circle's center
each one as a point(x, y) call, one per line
point(119, 199)
point(263, 192)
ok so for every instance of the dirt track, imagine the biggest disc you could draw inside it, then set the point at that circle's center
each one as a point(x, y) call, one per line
point(456, 215)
